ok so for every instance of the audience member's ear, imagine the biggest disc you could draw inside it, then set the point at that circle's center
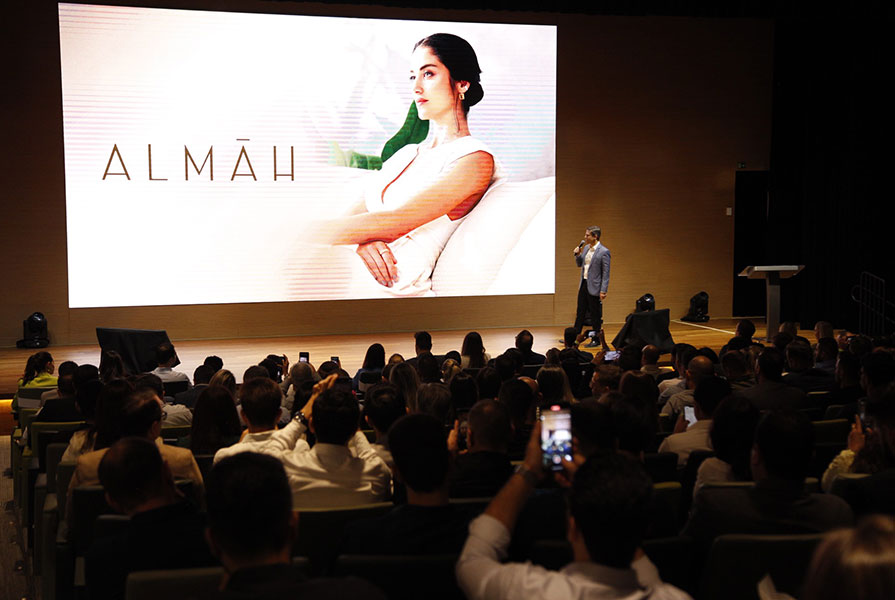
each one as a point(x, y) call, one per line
point(155, 430)
point(368, 422)
point(115, 506)
point(279, 416)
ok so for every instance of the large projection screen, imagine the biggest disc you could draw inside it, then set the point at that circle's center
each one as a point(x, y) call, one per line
point(215, 157)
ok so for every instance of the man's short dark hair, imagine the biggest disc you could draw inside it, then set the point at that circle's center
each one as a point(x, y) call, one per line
point(785, 441)
point(489, 421)
point(65, 385)
point(770, 363)
point(524, 341)
point(488, 382)
point(609, 375)
point(335, 415)
point(799, 357)
point(383, 406)
point(435, 399)
point(746, 329)
point(249, 505)
point(149, 381)
point(202, 374)
point(505, 367)
point(423, 340)
point(67, 367)
point(569, 335)
point(592, 425)
point(214, 362)
point(427, 366)
point(140, 411)
point(629, 358)
point(418, 446)
point(261, 399)
point(464, 392)
point(650, 354)
point(255, 372)
point(734, 364)
point(610, 498)
point(164, 352)
point(827, 348)
point(850, 365)
point(709, 393)
point(131, 472)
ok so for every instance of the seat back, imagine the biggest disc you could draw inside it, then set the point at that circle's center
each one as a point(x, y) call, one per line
point(320, 531)
point(667, 496)
point(26, 416)
point(64, 473)
point(172, 388)
point(179, 583)
point(832, 410)
point(661, 466)
point(52, 458)
point(736, 564)
point(174, 433)
point(205, 462)
point(403, 577)
point(44, 433)
point(29, 397)
point(88, 502)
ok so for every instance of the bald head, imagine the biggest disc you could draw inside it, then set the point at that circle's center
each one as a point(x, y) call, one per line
point(649, 355)
point(698, 369)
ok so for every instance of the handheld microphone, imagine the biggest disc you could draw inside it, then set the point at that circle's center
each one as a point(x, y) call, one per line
point(581, 245)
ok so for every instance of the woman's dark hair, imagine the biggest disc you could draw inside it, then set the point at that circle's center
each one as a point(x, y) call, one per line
point(641, 388)
point(488, 382)
point(464, 392)
point(474, 348)
point(428, 368)
point(375, 357)
point(36, 364)
point(458, 56)
point(109, 409)
point(215, 421)
point(111, 366)
point(733, 434)
point(435, 399)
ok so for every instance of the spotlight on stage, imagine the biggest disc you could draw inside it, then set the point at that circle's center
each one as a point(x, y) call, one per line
point(699, 309)
point(35, 332)
point(645, 303)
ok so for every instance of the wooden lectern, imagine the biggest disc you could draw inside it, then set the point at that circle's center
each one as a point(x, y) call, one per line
point(772, 274)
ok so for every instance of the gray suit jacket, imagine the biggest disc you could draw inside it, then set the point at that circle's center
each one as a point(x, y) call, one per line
point(598, 273)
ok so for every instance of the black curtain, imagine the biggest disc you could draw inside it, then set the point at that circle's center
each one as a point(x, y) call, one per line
point(831, 161)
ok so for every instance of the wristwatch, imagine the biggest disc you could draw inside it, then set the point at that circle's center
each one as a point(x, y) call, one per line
point(301, 418)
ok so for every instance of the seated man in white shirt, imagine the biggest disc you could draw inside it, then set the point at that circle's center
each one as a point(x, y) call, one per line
point(607, 511)
point(342, 469)
point(708, 394)
point(260, 412)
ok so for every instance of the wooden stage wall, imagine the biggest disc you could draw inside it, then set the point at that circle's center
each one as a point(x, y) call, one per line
point(653, 116)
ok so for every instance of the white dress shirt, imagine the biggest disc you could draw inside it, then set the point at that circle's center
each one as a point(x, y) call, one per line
point(273, 442)
point(482, 576)
point(696, 437)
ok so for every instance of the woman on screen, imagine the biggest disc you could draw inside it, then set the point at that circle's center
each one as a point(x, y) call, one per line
point(423, 192)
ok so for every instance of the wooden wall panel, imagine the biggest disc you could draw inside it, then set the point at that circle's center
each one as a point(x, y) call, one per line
point(653, 116)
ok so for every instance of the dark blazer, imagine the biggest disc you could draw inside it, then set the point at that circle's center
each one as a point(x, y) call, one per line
point(189, 397)
point(598, 273)
point(770, 395)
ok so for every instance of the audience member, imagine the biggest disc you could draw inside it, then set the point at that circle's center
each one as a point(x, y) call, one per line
point(606, 378)
point(251, 527)
point(166, 357)
point(801, 370)
point(742, 337)
point(771, 392)
point(65, 370)
point(164, 530)
point(707, 394)
point(39, 369)
point(825, 355)
point(680, 358)
point(427, 366)
point(173, 415)
point(62, 405)
point(570, 341)
point(649, 361)
point(214, 362)
point(778, 503)
point(699, 368)
point(427, 523)
point(382, 407)
point(485, 467)
point(464, 393)
point(407, 383)
point(472, 353)
point(374, 362)
point(823, 329)
point(449, 368)
point(732, 436)
point(261, 412)
point(224, 378)
point(111, 366)
point(553, 385)
point(140, 416)
point(519, 399)
point(736, 369)
point(435, 399)
point(524, 343)
point(608, 507)
point(854, 563)
point(215, 421)
point(201, 378)
point(342, 469)
point(848, 388)
point(488, 381)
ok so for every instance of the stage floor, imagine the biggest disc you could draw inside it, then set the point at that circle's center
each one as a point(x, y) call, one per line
point(239, 354)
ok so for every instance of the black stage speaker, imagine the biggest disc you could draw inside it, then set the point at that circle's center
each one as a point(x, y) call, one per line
point(136, 346)
point(643, 328)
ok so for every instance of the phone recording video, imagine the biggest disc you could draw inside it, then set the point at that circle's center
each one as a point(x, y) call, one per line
point(556, 437)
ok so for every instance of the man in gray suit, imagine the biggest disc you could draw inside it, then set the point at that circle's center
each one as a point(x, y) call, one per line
point(593, 258)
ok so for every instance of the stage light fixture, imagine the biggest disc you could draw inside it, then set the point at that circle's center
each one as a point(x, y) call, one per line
point(646, 302)
point(699, 309)
point(34, 332)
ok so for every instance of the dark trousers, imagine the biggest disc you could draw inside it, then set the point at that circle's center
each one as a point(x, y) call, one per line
point(588, 303)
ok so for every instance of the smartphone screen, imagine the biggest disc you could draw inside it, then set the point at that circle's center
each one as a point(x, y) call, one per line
point(611, 355)
point(690, 415)
point(556, 437)
point(303, 357)
point(335, 359)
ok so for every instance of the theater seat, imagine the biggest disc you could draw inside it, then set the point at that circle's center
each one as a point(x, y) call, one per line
point(405, 577)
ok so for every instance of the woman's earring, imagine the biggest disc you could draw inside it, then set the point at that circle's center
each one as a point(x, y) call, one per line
point(462, 97)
